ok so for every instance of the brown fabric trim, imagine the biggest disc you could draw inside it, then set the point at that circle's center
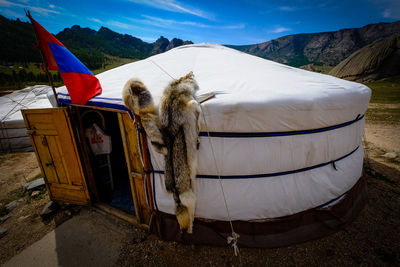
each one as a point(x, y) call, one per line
point(283, 231)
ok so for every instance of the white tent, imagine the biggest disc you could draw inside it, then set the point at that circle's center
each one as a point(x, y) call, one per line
point(13, 137)
point(286, 140)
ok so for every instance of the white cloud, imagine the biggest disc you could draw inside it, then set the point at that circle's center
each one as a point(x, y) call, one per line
point(52, 6)
point(174, 6)
point(169, 23)
point(392, 12)
point(234, 27)
point(96, 20)
point(36, 9)
point(280, 29)
point(287, 8)
point(147, 39)
point(119, 24)
point(13, 14)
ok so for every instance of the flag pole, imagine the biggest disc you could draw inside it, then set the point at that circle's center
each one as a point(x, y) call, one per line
point(28, 14)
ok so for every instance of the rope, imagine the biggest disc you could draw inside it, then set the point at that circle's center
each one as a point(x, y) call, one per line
point(235, 237)
point(163, 70)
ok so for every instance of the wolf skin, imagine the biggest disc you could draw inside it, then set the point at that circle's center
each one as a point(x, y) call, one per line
point(179, 114)
point(138, 99)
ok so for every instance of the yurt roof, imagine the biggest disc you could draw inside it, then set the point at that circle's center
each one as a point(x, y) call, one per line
point(252, 94)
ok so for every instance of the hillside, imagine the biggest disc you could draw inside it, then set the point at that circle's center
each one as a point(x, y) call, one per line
point(17, 39)
point(98, 50)
point(378, 60)
point(325, 48)
point(90, 46)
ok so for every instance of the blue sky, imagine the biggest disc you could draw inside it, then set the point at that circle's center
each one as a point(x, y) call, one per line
point(223, 22)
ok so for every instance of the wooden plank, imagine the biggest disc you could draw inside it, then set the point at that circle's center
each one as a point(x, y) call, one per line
point(38, 158)
point(68, 195)
point(69, 151)
point(69, 187)
point(42, 118)
point(58, 161)
point(83, 146)
point(120, 214)
point(127, 145)
point(57, 154)
point(46, 160)
point(146, 161)
point(142, 201)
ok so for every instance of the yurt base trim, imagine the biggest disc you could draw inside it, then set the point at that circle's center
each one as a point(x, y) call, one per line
point(300, 227)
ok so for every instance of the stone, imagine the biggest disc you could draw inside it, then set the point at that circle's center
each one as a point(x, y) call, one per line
point(35, 194)
point(4, 218)
point(3, 232)
point(12, 205)
point(49, 209)
point(390, 155)
point(34, 184)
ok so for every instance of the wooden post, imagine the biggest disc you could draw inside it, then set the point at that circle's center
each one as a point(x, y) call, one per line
point(28, 14)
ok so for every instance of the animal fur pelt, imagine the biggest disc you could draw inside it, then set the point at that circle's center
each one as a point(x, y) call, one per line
point(139, 100)
point(173, 131)
point(179, 120)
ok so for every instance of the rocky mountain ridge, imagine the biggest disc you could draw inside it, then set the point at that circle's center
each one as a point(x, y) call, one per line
point(325, 48)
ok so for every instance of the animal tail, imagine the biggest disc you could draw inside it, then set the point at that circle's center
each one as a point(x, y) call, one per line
point(184, 210)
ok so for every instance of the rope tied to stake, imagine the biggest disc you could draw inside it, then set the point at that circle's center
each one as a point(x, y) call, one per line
point(233, 240)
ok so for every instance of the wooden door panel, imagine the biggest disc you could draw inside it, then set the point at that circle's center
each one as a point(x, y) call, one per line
point(135, 167)
point(45, 159)
point(55, 147)
point(58, 161)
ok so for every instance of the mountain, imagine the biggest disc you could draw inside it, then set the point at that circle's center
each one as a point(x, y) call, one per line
point(90, 46)
point(17, 39)
point(325, 48)
point(86, 43)
point(378, 60)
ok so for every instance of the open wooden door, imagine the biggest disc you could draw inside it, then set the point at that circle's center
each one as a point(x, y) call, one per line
point(137, 175)
point(55, 147)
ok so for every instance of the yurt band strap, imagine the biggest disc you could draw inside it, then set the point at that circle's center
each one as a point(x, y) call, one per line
point(265, 175)
point(274, 134)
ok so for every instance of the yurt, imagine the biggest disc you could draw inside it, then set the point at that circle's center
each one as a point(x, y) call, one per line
point(281, 154)
point(13, 137)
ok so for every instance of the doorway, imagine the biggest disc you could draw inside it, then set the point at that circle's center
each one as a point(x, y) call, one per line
point(105, 152)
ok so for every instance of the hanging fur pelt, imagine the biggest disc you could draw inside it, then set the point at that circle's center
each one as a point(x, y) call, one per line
point(138, 99)
point(179, 114)
point(173, 131)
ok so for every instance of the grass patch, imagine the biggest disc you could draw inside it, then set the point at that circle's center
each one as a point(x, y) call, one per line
point(386, 91)
point(385, 115)
point(41, 195)
point(113, 62)
point(11, 196)
point(38, 176)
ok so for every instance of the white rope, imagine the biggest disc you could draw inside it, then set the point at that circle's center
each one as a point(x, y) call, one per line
point(161, 69)
point(233, 240)
point(235, 236)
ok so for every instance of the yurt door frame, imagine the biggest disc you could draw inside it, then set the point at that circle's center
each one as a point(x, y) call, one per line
point(64, 162)
point(133, 155)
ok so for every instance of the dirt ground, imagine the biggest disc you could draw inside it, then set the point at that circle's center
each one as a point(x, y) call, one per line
point(373, 239)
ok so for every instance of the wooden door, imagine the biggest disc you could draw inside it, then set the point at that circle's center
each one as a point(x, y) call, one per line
point(55, 147)
point(137, 175)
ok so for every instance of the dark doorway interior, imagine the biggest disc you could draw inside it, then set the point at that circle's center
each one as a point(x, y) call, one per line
point(109, 170)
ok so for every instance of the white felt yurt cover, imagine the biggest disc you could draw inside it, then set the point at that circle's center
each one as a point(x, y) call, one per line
point(13, 136)
point(285, 139)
